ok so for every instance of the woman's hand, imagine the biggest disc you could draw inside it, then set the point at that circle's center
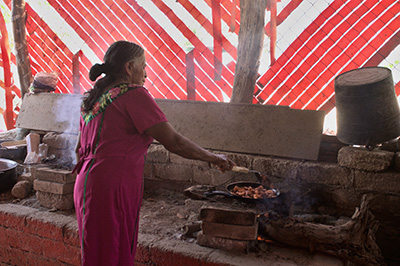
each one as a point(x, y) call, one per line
point(223, 162)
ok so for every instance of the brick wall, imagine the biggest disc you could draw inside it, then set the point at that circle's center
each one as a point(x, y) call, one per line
point(32, 237)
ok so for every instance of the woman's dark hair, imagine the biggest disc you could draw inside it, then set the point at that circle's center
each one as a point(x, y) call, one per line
point(114, 59)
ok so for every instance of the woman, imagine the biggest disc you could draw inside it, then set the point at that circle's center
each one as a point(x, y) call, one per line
point(119, 121)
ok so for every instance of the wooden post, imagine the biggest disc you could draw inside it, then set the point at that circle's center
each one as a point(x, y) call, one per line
point(8, 113)
point(216, 17)
point(18, 18)
point(190, 76)
point(76, 82)
point(251, 39)
point(272, 44)
point(232, 22)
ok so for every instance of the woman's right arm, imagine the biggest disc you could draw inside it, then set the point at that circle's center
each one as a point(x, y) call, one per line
point(182, 146)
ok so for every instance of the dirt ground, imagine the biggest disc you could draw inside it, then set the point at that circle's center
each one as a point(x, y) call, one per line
point(166, 213)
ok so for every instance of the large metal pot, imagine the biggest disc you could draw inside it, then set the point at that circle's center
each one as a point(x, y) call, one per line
point(8, 174)
point(367, 109)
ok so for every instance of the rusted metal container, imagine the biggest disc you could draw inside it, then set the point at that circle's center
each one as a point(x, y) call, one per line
point(367, 108)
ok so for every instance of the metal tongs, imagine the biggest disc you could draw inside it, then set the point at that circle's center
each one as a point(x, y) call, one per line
point(263, 179)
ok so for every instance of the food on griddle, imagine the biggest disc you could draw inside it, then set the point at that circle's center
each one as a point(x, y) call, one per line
point(253, 193)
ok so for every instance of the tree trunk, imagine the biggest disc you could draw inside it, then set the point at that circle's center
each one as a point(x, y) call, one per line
point(353, 241)
point(22, 55)
point(251, 39)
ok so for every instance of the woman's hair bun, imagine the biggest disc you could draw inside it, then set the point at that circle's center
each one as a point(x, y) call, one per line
point(96, 70)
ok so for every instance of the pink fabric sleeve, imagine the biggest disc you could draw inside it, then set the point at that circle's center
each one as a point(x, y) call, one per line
point(143, 109)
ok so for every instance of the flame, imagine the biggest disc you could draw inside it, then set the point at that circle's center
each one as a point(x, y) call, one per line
point(265, 215)
point(260, 238)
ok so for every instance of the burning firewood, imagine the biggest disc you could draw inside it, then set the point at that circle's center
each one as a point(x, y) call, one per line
point(353, 241)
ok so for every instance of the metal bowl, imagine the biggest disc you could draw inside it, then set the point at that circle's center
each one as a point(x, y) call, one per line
point(8, 174)
point(18, 153)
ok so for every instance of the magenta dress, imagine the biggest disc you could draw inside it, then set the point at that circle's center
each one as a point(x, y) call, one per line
point(109, 185)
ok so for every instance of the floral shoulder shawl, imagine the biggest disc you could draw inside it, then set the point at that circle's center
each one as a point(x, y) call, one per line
point(105, 100)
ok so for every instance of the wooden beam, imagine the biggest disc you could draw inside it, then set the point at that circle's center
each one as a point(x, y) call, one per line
point(18, 17)
point(8, 113)
point(190, 76)
point(76, 82)
point(251, 39)
point(216, 17)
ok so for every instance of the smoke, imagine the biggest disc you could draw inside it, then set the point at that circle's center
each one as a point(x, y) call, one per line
point(67, 115)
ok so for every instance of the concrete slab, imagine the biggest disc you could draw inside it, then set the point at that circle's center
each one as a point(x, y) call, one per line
point(50, 112)
point(248, 128)
point(244, 128)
